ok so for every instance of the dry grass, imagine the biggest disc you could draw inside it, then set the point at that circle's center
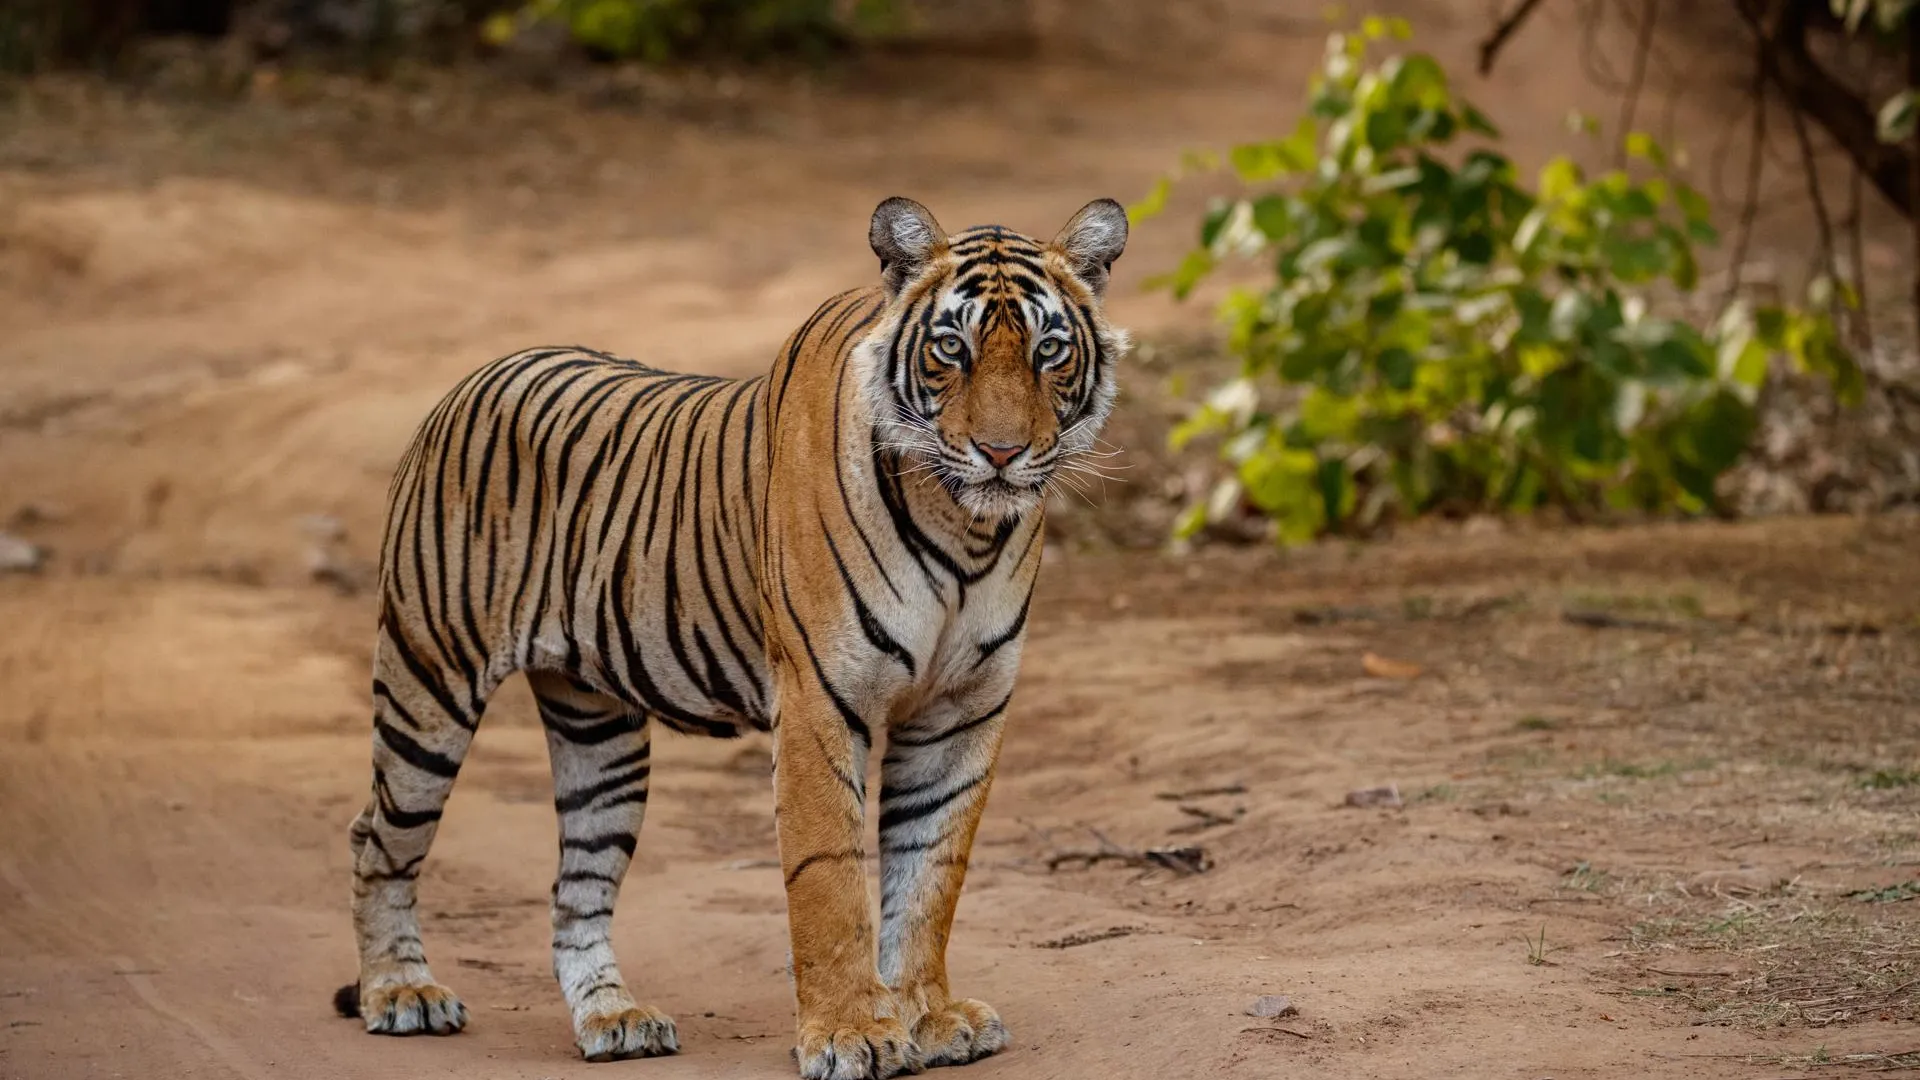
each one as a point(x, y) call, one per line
point(1787, 958)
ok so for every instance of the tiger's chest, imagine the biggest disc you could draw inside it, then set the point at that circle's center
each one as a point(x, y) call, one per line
point(952, 643)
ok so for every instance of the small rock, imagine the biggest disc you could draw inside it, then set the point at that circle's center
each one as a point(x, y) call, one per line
point(323, 527)
point(1388, 796)
point(326, 566)
point(18, 556)
point(1272, 1007)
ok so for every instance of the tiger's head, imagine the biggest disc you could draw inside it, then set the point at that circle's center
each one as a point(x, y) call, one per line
point(993, 366)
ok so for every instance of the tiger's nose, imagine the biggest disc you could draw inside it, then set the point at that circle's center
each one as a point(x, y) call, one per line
point(998, 453)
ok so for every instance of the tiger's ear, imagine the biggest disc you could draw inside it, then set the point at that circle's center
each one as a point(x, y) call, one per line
point(1092, 240)
point(906, 238)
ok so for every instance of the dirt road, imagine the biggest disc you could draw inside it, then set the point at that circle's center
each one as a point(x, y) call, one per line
point(221, 323)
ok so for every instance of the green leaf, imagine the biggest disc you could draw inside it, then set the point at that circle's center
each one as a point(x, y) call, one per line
point(1285, 484)
point(499, 28)
point(1640, 145)
point(1891, 15)
point(1692, 204)
point(1895, 121)
point(1214, 222)
point(1417, 81)
point(1559, 178)
point(1749, 364)
point(1196, 266)
point(1272, 215)
point(1255, 161)
point(1396, 367)
point(1298, 151)
point(1190, 522)
point(1571, 310)
point(1396, 180)
point(1152, 204)
point(1718, 431)
point(1476, 121)
point(1336, 491)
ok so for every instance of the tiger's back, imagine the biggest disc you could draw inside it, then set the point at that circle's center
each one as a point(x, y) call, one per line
point(570, 512)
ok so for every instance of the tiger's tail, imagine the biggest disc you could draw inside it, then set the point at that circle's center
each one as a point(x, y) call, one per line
point(346, 1001)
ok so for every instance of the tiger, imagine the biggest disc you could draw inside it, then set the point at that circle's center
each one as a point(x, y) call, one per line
point(843, 548)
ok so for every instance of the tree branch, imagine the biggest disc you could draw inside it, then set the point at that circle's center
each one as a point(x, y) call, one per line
point(1756, 168)
point(1780, 27)
point(1490, 48)
point(1630, 102)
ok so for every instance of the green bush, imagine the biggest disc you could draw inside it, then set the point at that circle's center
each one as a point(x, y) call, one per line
point(1438, 337)
point(660, 30)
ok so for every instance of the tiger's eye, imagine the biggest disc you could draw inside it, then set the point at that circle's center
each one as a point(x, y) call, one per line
point(1049, 349)
point(951, 346)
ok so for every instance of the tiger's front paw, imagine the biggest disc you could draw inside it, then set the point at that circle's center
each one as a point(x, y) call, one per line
point(964, 1030)
point(871, 1048)
point(415, 1008)
point(627, 1033)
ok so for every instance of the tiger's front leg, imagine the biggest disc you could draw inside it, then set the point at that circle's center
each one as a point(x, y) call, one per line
point(849, 1027)
point(934, 784)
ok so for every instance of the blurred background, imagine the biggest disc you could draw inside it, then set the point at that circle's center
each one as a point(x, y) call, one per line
point(1506, 587)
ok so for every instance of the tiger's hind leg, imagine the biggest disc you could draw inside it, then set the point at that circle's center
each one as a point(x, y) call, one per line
point(423, 721)
point(600, 749)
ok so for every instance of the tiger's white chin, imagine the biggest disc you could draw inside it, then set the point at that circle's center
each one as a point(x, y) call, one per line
point(996, 498)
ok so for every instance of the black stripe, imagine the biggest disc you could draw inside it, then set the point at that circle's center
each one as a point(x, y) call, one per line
point(909, 739)
point(848, 714)
point(822, 856)
point(390, 810)
point(425, 678)
point(1001, 640)
point(593, 845)
point(897, 815)
point(414, 754)
point(581, 877)
point(877, 634)
point(580, 800)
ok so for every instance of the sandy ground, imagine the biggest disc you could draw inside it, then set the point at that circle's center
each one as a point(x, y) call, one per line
point(221, 322)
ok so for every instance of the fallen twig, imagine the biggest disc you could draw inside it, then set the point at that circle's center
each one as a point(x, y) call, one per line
point(1326, 615)
point(1204, 819)
point(1601, 620)
point(1086, 937)
point(1606, 620)
point(1202, 793)
point(1180, 860)
point(1276, 1031)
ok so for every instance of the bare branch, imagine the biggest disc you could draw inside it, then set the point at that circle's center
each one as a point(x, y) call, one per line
point(1810, 162)
point(1857, 262)
point(1780, 27)
point(1756, 168)
point(1490, 48)
point(1912, 166)
point(1643, 47)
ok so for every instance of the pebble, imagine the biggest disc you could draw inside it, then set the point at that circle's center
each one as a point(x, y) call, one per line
point(1375, 796)
point(18, 556)
point(1272, 1007)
